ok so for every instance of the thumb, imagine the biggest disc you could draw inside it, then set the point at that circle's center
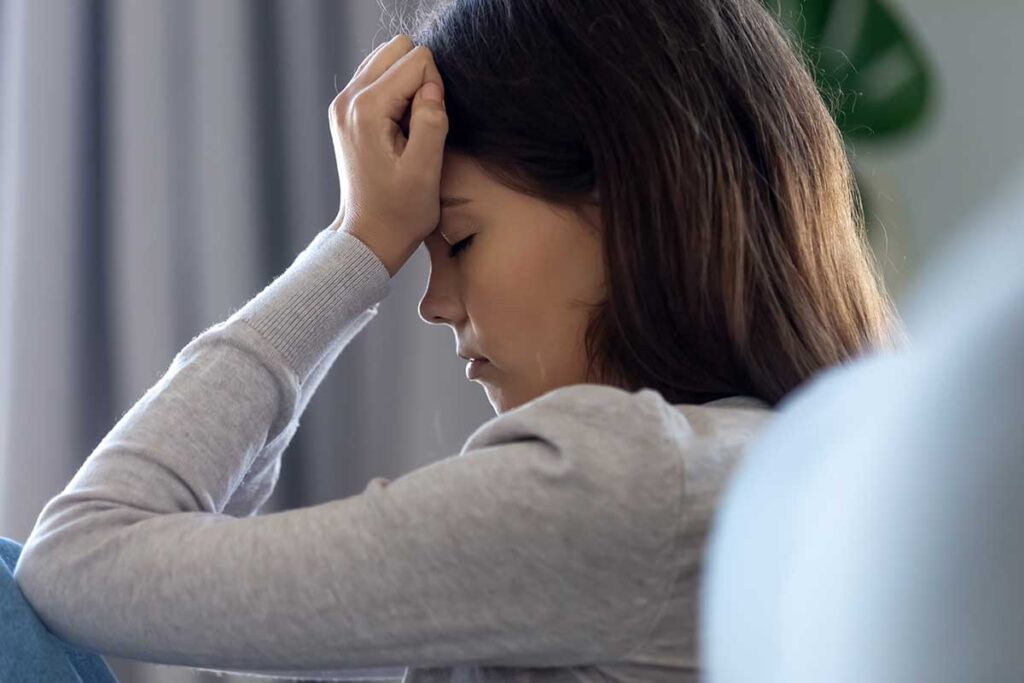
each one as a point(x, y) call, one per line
point(428, 127)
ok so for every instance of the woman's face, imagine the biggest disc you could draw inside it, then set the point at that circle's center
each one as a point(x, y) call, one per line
point(514, 293)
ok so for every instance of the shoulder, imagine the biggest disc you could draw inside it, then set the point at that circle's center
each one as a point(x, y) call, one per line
point(632, 445)
point(727, 424)
point(602, 467)
point(628, 421)
point(586, 414)
point(607, 454)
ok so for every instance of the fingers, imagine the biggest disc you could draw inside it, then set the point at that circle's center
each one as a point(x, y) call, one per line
point(366, 60)
point(379, 62)
point(353, 83)
point(428, 128)
point(389, 77)
point(384, 85)
point(392, 92)
point(374, 64)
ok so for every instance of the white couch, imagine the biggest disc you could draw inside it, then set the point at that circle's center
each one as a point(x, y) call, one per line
point(874, 533)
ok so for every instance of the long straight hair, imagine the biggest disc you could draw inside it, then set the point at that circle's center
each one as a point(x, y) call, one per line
point(731, 222)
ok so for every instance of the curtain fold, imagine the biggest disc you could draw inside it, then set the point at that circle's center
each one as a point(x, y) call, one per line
point(160, 162)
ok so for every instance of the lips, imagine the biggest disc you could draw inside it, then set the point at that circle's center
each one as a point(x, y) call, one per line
point(475, 367)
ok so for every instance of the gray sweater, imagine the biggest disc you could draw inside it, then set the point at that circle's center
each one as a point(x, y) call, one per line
point(561, 543)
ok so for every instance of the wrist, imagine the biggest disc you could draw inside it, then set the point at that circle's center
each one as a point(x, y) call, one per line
point(390, 255)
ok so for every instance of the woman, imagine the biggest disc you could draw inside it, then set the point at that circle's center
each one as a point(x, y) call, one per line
point(641, 214)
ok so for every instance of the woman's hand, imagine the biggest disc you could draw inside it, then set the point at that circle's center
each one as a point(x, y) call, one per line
point(390, 184)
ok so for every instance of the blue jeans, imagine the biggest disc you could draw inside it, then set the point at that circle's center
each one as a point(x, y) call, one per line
point(29, 652)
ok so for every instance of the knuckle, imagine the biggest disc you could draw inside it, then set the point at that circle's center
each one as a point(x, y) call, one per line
point(358, 103)
point(339, 103)
point(439, 118)
point(343, 110)
point(425, 55)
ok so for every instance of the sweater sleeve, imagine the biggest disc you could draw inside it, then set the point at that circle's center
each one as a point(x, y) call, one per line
point(547, 540)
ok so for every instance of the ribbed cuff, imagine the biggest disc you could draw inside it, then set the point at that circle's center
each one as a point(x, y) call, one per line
point(335, 282)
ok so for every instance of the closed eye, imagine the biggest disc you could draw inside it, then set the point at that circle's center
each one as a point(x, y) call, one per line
point(459, 246)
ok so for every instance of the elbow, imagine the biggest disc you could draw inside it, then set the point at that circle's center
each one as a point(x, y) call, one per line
point(33, 576)
point(28, 569)
point(44, 578)
point(66, 571)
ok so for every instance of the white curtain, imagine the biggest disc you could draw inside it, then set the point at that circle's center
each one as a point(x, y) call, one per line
point(160, 162)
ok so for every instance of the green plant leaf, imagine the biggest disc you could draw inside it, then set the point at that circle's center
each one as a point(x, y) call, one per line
point(868, 67)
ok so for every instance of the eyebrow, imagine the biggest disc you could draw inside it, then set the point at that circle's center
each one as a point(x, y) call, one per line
point(448, 202)
point(451, 202)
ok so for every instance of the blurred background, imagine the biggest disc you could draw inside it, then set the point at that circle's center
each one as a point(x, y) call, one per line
point(162, 160)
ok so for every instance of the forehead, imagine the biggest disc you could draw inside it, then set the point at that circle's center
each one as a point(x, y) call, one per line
point(461, 176)
point(464, 177)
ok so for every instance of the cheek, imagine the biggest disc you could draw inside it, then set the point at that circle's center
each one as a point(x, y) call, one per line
point(509, 300)
point(523, 305)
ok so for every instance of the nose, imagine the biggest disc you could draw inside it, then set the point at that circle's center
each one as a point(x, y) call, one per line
point(434, 311)
point(440, 303)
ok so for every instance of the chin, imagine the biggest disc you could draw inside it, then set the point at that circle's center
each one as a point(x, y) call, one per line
point(498, 399)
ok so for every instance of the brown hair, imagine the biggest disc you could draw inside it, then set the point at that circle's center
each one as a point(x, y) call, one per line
point(731, 221)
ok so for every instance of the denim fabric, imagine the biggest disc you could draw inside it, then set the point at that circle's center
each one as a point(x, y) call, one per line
point(29, 652)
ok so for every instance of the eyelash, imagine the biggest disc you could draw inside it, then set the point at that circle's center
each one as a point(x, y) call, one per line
point(454, 250)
